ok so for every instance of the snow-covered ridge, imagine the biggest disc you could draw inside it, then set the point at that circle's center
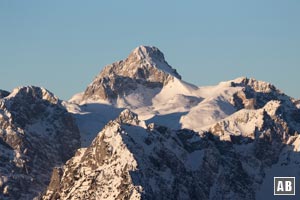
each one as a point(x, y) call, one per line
point(33, 92)
point(258, 86)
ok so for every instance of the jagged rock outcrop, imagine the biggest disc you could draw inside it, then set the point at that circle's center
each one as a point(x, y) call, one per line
point(36, 134)
point(255, 94)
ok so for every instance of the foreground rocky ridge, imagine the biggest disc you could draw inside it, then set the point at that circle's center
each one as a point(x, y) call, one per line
point(132, 160)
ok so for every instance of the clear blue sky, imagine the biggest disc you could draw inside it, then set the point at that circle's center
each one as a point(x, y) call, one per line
point(63, 45)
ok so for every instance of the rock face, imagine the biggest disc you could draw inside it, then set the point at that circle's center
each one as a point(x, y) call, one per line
point(36, 134)
point(144, 67)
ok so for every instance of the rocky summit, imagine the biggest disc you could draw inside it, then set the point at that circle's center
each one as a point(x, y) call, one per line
point(139, 131)
point(144, 67)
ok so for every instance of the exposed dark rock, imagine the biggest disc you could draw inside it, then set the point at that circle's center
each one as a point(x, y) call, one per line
point(3, 93)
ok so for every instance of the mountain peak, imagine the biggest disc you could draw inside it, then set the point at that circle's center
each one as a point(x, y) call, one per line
point(128, 117)
point(33, 92)
point(144, 52)
point(145, 67)
point(151, 56)
point(258, 86)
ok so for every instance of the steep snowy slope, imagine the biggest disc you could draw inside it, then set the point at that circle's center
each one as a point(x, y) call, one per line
point(215, 106)
point(36, 134)
point(176, 96)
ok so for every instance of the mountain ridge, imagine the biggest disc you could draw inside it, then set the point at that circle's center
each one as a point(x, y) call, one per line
point(139, 131)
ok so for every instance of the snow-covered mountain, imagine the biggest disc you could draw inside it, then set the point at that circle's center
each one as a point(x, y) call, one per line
point(36, 134)
point(147, 134)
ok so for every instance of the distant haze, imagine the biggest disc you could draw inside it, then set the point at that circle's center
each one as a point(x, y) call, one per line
point(63, 45)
